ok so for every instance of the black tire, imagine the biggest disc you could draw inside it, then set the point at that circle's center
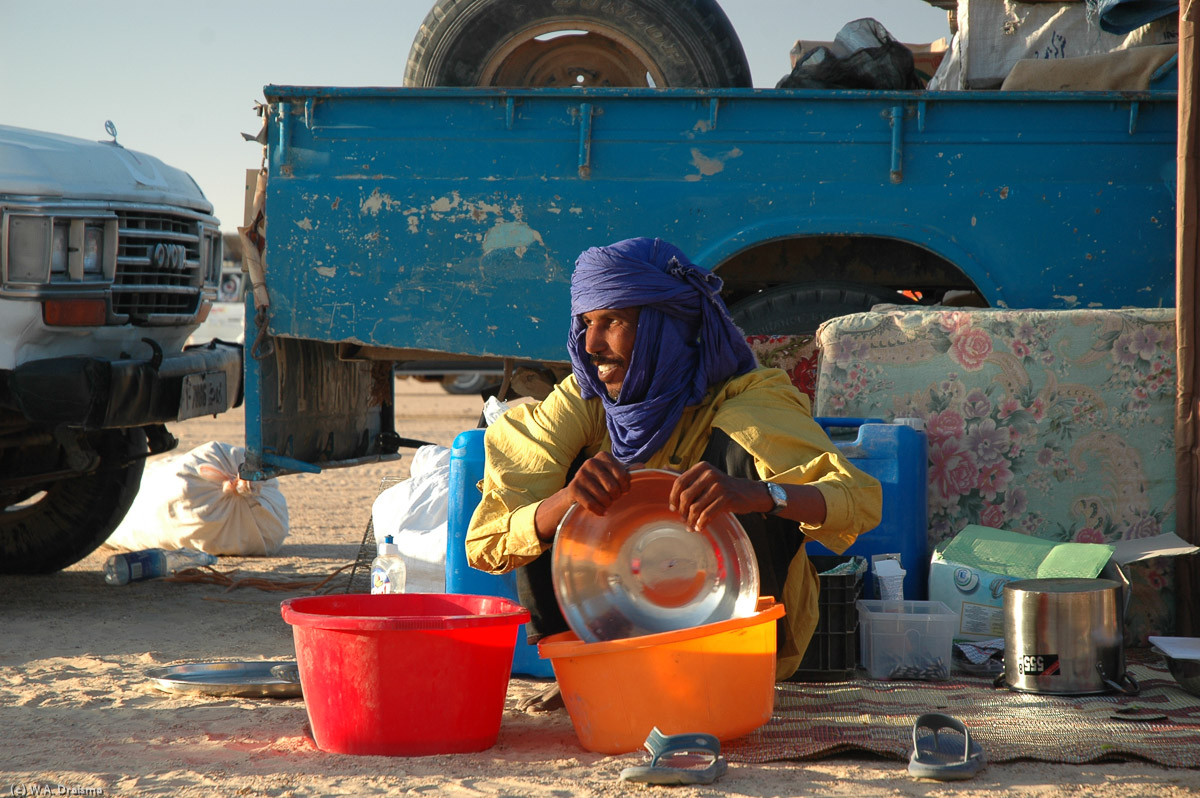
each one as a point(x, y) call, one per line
point(72, 517)
point(680, 43)
point(799, 308)
point(472, 383)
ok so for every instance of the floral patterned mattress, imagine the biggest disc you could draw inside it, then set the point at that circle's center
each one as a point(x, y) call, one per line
point(795, 354)
point(1058, 424)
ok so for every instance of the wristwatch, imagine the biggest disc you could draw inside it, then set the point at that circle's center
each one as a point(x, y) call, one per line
point(778, 495)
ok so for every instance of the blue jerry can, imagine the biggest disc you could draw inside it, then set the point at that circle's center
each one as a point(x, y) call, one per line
point(895, 455)
point(466, 469)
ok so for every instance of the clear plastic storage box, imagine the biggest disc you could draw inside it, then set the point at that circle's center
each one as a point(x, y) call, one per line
point(906, 639)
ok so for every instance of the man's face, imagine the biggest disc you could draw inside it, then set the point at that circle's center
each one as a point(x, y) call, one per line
point(609, 342)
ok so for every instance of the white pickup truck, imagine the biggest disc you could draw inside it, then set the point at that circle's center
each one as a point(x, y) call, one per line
point(109, 259)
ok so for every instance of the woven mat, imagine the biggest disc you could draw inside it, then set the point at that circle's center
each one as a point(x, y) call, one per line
point(814, 720)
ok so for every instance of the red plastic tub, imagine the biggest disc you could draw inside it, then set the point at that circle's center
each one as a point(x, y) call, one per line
point(406, 674)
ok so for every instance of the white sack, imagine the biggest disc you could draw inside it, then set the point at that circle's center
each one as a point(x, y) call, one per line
point(414, 512)
point(196, 500)
point(493, 408)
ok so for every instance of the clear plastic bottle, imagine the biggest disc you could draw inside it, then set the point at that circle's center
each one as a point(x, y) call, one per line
point(136, 566)
point(387, 570)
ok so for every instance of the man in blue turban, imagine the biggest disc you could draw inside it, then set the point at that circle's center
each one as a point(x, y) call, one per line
point(662, 378)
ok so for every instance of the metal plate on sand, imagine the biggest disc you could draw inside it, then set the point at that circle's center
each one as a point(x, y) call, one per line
point(264, 679)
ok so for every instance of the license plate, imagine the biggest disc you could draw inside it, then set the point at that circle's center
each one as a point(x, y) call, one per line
point(203, 395)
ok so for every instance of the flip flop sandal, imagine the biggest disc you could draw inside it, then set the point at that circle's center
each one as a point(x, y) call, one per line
point(945, 757)
point(679, 759)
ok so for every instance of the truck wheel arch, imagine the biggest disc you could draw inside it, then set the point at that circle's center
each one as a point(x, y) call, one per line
point(877, 263)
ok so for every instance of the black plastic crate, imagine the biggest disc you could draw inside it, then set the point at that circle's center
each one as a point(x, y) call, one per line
point(833, 651)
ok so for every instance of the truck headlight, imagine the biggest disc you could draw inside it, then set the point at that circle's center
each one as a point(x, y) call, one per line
point(93, 250)
point(29, 249)
point(76, 250)
point(59, 246)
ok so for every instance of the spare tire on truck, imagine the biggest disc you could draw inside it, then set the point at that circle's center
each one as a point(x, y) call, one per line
point(541, 43)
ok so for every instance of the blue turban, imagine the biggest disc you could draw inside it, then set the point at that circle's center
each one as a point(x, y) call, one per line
point(685, 341)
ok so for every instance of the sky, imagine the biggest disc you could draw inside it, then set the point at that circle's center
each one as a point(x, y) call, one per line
point(179, 80)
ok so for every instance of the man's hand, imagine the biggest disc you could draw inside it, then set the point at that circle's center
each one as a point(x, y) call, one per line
point(599, 482)
point(704, 491)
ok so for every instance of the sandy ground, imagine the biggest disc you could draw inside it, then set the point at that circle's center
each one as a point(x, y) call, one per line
point(80, 717)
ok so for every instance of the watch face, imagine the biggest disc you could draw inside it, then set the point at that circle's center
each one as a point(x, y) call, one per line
point(778, 495)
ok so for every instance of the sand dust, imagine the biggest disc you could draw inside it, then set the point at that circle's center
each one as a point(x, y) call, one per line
point(79, 716)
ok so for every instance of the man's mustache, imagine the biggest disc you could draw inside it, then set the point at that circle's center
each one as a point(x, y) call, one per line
point(604, 361)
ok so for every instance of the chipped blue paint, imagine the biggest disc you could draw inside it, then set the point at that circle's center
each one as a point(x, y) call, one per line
point(516, 236)
point(710, 165)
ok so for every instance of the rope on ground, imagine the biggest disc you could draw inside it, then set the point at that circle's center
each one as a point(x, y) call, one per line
point(209, 575)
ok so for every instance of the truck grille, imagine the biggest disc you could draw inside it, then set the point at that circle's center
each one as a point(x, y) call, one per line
point(158, 265)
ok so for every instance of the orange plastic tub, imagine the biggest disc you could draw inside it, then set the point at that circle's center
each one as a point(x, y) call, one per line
point(718, 678)
point(405, 674)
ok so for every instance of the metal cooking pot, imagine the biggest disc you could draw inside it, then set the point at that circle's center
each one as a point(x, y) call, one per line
point(1065, 636)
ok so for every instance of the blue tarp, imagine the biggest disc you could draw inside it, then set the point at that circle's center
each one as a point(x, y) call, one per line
point(1123, 16)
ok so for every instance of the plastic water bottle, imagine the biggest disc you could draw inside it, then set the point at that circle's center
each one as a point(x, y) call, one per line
point(387, 569)
point(136, 566)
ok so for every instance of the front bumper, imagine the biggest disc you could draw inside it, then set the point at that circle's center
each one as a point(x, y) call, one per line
point(94, 393)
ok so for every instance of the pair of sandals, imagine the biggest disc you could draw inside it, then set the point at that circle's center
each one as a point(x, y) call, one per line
point(696, 758)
